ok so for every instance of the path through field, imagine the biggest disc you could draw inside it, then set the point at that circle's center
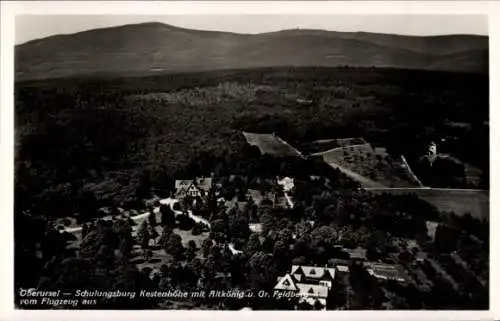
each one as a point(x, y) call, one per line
point(359, 178)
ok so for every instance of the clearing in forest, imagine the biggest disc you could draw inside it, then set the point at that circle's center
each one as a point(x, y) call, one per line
point(271, 144)
point(372, 167)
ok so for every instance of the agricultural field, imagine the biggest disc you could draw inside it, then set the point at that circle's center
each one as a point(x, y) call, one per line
point(271, 144)
point(372, 167)
point(459, 201)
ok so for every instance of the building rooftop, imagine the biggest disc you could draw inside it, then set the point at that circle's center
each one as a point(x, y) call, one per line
point(357, 253)
point(313, 272)
point(312, 290)
point(286, 283)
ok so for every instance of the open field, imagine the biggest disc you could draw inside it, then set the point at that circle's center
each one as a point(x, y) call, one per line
point(370, 165)
point(459, 201)
point(271, 144)
point(364, 181)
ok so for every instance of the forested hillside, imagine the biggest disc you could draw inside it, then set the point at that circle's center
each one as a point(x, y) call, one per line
point(90, 141)
point(151, 48)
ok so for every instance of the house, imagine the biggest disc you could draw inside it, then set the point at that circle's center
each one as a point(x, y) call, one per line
point(431, 229)
point(383, 271)
point(357, 254)
point(195, 188)
point(255, 227)
point(304, 101)
point(184, 188)
point(258, 197)
point(283, 201)
point(286, 183)
point(310, 284)
point(342, 268)
point(321, 275)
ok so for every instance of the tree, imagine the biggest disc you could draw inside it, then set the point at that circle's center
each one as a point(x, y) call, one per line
point(219, 230)
point(195, 266)
point(262, 272)
point(165, 236)
point(238, 228)
point(167, 216)
point(446, 239)
point(90, 245)
point(191, 250)
point(206, 246)
point(192, 245)
point(197, 229)
point(286, 236)
point(85, 230)
point(330, 214)
point(152, 218)
point(105, 256)
point(268, 223)
point(143, 235)
point(253, 245)
point(153, 234)
point(174, 246)
point(147, 253)
point(281, 255)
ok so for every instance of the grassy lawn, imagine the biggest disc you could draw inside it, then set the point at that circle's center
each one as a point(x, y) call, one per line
point(370, 165)
point(270, 144)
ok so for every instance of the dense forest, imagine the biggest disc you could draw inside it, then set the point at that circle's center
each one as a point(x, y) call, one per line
point(86, 143)
point(112, 141)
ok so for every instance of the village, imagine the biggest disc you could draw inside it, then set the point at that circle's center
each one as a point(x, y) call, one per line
point(191, 213)
point(320, 260)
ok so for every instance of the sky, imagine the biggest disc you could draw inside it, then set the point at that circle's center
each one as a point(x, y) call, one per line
point(29, 27)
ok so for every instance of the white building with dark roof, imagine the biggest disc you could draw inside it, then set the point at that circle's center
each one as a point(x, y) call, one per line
point(194, 188)
point(311, 284)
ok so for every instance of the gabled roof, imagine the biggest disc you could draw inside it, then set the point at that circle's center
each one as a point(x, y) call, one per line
point(286, 283)
point(312, 301)
point(183, 183)
point(182, 190)
point(342, 268)
point(312, 290)
point(204, 183)
point(357, 253)
point(313, 272)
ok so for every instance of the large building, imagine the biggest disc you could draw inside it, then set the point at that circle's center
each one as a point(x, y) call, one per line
point(195, 188)
point(310, 284)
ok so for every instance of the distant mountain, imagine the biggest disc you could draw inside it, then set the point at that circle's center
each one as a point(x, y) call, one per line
point(160, 48)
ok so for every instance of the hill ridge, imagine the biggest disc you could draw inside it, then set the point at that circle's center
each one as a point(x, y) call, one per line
point(134, 48)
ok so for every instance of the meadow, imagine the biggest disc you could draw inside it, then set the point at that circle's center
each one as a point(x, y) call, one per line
point(373, 165)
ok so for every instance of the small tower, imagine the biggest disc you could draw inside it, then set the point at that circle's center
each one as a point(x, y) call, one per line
point(432, 149)
point(432, 152)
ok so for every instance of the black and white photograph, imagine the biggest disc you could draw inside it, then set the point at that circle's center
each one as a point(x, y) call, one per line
point(251, 162)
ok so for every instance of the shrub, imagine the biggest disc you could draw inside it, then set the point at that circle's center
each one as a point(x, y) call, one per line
point(197, 229)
